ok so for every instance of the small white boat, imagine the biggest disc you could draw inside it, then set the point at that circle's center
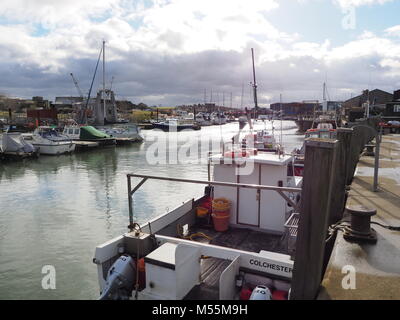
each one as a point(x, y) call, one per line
point(129, 132)
point(49, 141)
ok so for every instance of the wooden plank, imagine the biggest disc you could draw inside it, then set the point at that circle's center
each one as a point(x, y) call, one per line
point(316, 194)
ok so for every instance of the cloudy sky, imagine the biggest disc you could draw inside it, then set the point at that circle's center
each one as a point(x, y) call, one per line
point(168, 52)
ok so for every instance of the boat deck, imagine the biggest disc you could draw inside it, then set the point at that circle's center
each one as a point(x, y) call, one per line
point(241, 239)
point(236, 238)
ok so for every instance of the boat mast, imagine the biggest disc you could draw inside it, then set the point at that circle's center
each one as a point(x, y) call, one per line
point(280, 100)
point(241, 98)
point(104, 80)
point(324, 103)
point(254, 85)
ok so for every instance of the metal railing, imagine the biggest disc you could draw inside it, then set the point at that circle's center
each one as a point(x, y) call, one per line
point(131, 191)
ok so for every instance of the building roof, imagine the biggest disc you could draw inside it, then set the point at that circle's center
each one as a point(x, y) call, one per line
point(375, 96)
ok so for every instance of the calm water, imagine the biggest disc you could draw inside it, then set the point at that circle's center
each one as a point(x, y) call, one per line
point(55, 210)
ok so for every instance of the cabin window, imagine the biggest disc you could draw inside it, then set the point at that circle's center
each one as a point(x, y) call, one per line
point(396, 108)
point(76, 131)
point(70, 131)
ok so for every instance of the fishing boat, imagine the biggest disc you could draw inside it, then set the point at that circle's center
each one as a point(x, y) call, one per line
point(323, 130)
point(263, 140)
point(305, 122)
point(243, 238)
point(170, 125)
point(49, 141)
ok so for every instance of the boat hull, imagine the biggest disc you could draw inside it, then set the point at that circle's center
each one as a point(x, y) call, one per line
point(56, 148)
point(168, 128)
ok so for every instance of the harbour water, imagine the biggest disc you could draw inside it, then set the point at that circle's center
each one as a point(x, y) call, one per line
point(55, 210)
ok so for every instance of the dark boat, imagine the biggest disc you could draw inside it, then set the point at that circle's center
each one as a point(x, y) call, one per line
point(174, 125)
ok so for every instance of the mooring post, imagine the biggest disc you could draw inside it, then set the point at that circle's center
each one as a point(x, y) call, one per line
point(378, 140)
point(340, 170)
point(130, 203)
point(320, 157)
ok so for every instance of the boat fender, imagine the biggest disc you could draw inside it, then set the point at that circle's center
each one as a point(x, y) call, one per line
point(261, 293)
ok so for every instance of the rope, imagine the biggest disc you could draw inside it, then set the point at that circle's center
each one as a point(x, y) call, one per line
point(193, 235)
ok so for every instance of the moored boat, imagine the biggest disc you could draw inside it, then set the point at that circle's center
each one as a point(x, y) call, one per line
point(49, 141)
point(14, 146)
point(122, 134)
point(88, 133)
point(171, 125)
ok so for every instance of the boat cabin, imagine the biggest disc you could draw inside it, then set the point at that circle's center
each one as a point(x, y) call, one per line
point(323, 131)
point(72, 131)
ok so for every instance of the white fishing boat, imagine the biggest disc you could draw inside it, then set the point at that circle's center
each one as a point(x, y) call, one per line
point(183, 255)
point(49, 141)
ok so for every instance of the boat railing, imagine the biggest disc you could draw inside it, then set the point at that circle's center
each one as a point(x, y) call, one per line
point(280, 190)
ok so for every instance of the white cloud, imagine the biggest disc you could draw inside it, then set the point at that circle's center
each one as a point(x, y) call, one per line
point(359, 3)
point(174, 49)
point(393, 31)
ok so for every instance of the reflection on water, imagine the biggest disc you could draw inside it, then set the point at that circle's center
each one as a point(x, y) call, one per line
point(55, 210)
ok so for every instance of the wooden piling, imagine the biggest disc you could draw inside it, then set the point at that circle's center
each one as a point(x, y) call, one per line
point(320, 157)
point(340, 170)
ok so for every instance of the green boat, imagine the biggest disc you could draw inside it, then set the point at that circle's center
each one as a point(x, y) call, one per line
point(88, 133)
